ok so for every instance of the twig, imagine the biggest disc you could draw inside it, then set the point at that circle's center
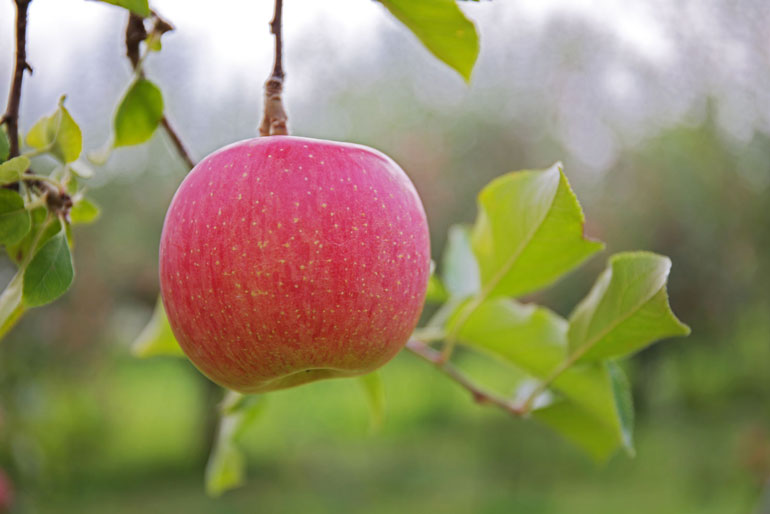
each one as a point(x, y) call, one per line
point(274, 119)
point(135, 34)
point(11, 116)
point(58, 200)
point(180, 148)
point(479, 395)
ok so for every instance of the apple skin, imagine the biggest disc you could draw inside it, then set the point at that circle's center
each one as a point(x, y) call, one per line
point(285, 260)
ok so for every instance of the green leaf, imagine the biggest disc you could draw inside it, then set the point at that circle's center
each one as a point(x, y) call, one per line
point(459, 270)
point(534, 339)
point(153, 42)
point(530, 337)
point(372, 386)
point(157, 337)
point(579, 427)
point(57, 134)
point(139, 7)
point(626, 310)
point(226, 466)
point(18, 251)
point(50, 272)
point(624, 403)
point(11, 306)
point(5, 145)
point(15, 221)
point(138, 115)
point(529, 232)
point(443, 28)
point(11, 171)
point(436, 292)
point(84, 211)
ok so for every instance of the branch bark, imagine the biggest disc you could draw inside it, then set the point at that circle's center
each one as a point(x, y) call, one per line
point(135, 34)
point(11, 116)
point(274, 118)
point(480, 395)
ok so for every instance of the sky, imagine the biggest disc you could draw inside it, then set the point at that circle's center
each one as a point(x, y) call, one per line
point(635, 66)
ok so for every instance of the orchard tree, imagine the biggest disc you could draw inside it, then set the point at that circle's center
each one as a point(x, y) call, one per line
point(286, 260)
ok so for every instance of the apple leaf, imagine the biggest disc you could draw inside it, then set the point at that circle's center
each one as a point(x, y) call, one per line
point(372, 386)
point(84, 211)
point(39, 216)
point(626, 310)
point(459, 270)
point(579, 427)
point(534, 339)
point(15, 222)
point(81, 169)
point(5, 145)
point(140, 7)
point(50, 272)
point(11, 170)
point(436, 292)
point(443, 28)
point(624, 403)
point(156, 337)
point(529, 232)
point(138, 114)
point(57, 134)
point(11, 306)
point(226, 466)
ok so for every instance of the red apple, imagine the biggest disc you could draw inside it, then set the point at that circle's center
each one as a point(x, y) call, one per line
point(285, 260)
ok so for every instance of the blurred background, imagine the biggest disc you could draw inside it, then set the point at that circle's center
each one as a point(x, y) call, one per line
point(660, 112)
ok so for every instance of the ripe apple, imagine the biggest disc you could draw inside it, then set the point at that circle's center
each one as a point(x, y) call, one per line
point(285, 260)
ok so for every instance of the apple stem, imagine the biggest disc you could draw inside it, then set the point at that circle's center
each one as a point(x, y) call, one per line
point(135, 34)
point(480, 395)
point(274, 119)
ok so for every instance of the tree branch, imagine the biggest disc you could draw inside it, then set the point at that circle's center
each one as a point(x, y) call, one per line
point(274, 119)
point(11, 116)
point(135, 34)
point(479, 395)
point(58, 201)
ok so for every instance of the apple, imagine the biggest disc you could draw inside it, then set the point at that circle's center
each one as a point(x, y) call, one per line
point(285, 260)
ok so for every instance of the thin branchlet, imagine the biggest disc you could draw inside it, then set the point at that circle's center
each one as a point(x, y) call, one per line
point(479, 395)
point(57, 200)
point(136, 32)
point(11, 116)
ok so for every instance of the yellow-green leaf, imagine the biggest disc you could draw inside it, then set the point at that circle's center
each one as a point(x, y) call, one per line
point(57, 134)
point(84, 211)
point(139, 7)
point(226, 466)
point(157, 337)
point(138, 115)
point(11, 306)
point(11, 170)
point(443, 28)
point(15, 221)
point(5, 145)
point(626, 310)
point(529, 232)
point(372, 386)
